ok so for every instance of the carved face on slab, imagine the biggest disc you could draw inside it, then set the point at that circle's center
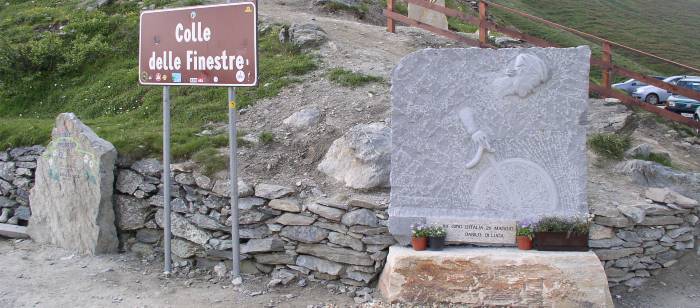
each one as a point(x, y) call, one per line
point(522, 76)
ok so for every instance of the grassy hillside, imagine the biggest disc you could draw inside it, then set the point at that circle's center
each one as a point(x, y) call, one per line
point(55, 56)
point(665, 28)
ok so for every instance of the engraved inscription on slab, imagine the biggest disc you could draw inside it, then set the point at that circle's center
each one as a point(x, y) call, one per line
point(477, 230)
point(488, 134)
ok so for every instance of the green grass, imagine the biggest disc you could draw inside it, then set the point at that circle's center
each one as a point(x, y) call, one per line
point(657, 158)
point(351, 79)
point(660, 27)
point(266, 137)
point(90, 68)
point(456, 24)
point(612, 146)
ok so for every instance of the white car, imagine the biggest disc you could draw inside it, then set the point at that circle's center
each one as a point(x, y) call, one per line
point(655, 95)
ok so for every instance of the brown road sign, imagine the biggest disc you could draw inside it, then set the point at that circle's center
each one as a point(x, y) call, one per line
point(211, 45)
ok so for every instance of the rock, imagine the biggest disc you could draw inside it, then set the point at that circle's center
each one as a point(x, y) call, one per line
point(128, 181)
point(305, 234)
point(651, 174)
point(269, 191)
point(132, 213)
point(636, 214)
point(203, 181)
point(255, 232)
point(206, 222)
point(306, 35)
point(290, 219)
point(148, 236)
point(361, 158)
point(378, 240)
point(605, 243)
point(661, 220)
point(185, 179)
point(367, 202)
point(5, 216)
point(262, 245)
point(325, 211)
point(23, 212)
point(284, 276)
point(250, 217)
point(221, 188)
point(7, 171)
point(363, 217)
point(665, 195)
point(338, 201)
point(613, 254)
point(331, 226)
point(181, 227)
point(286, 204)
point(319, 265)
point(250, 203)
point(629, 236)
point(598, 232)
point(639, 151)
point(618, 222)
point(303, 119)
point(429, 16)
point(76, 176)
point(221, 271)
point(183, 249)
point(648, 234)
point(485, 277)
point(275, 258)
point(607, 117)
point(150, 167)
point(345, 240)
point(359, 276)
point(340, 255)
point(7, 202)
point(678, 232)
point(142, 250)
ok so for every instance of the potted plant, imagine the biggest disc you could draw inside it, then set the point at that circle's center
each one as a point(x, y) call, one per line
point(419, 237)
point(561, 234)
point(436, 237)
point(523, 235)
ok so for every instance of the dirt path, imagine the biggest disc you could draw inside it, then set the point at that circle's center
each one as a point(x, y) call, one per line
point(46, 276)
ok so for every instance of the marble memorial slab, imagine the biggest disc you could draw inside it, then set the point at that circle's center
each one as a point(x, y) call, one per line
point(482, 134)
point(477, 231)
point(428, 16)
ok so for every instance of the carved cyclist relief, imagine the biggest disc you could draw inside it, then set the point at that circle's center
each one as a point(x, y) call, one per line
point(513, 182)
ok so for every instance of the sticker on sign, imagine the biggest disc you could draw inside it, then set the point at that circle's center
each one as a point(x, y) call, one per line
point(210, 45)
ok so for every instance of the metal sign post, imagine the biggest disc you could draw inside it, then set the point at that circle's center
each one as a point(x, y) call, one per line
point(233, 175)
point(166, 180)
point(209, 45)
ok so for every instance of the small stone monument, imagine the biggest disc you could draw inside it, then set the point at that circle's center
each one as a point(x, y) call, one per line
point(481, 139)
point(428, 16)
point(484, 138)
point(72, 196)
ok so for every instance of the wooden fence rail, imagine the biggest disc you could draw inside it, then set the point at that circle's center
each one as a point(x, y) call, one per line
point(605, 63)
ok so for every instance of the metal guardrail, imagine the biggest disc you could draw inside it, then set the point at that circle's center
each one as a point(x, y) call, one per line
point(605, 62)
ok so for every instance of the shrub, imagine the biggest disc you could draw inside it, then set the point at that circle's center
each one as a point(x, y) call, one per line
point(351, 79)
point(436, 231)
point(266, 137)
point(657, 158)
point(611, 146)
point(525, 228)
point(559, 224)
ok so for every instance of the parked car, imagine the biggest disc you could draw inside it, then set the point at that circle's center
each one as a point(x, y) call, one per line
point(631, 85)
point(655, 95)
point(681, 104)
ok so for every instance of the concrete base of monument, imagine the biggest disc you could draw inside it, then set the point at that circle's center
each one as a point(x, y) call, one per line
point(494, 277)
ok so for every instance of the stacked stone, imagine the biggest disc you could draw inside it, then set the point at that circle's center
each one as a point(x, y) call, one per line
point(339, 238)
point(635, 242)
point(17, 168)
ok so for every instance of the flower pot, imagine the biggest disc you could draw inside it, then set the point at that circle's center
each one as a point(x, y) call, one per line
point(436, 243)
point(419, 243)
point(560, 241)
point(524, 242)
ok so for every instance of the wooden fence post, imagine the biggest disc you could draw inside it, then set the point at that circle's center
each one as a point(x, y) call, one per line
point(607, 61)
point(389, 21)
point(483, 29)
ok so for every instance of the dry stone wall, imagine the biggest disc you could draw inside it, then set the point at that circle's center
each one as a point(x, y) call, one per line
point(635, 242)
point(335, 238)
point(284, 233)
point(17, 167)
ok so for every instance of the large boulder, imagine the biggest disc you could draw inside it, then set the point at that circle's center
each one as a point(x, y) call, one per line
point(72, 195)
point(361, 158)
point(306, 35)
